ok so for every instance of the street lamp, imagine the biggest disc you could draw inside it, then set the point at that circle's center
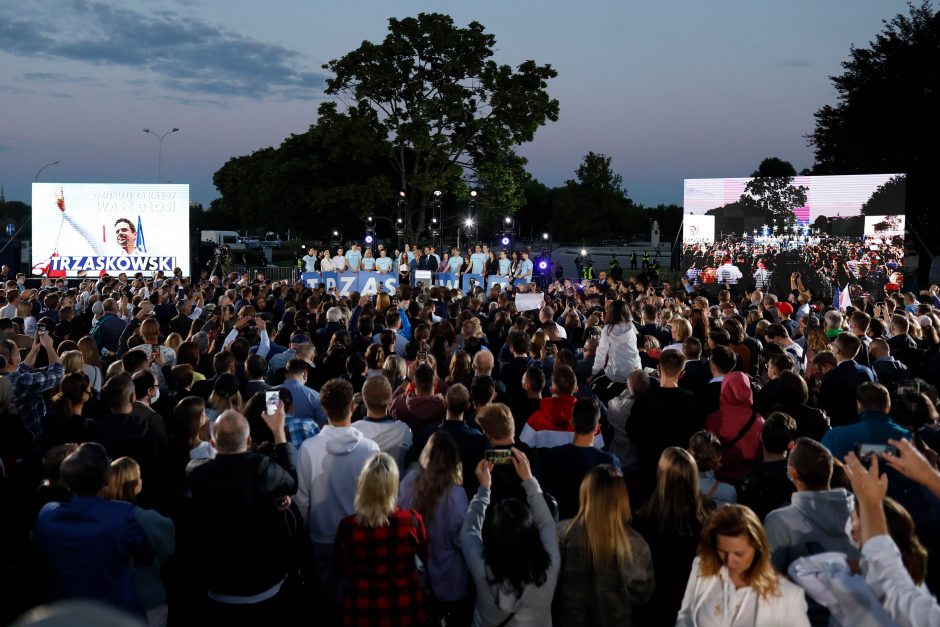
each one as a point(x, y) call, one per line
point(48, 165)
point(160, 138)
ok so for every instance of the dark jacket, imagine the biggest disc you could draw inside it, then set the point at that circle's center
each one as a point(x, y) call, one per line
point(588, 595)
point(810, 422)
point(234, 496)
point(837, 392)
point(652, 428)
point(766, 488)
point(890, 372)
point(107, 332)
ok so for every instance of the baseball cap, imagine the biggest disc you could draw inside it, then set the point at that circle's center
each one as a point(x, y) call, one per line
point(299, 338)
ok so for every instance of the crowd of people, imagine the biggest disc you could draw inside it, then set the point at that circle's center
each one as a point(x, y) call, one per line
point(234, 448)
point(405, 263)
point(827, 264)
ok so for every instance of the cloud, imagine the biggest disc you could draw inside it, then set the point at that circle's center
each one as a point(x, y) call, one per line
point(185, 53)
point(59, 78)
point(796, 63)
point(13, 90)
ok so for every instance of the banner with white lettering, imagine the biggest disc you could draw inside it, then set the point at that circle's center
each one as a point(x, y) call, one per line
point(348, 282)
point(501, 281)
point(449, 280)
point(470, 281)
point(90, 229)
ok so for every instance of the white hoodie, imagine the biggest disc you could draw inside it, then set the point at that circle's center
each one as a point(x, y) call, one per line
point(330, 463)
point(617, 355)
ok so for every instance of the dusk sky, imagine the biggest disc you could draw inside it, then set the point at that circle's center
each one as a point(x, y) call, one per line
point(674, 90)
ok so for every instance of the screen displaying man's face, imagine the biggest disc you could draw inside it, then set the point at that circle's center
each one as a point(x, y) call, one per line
point(125, 235)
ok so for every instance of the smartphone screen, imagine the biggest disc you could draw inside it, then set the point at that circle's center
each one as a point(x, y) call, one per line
point(498, 455)
point(270, 402)
point(864, 450)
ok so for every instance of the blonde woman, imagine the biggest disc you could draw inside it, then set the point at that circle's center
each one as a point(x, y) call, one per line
point(92, 358)
point(606, 566)
point(225, 395)
point(376, 549)
point(73, 361)
point(124, 484)
point(173, 341)
point(732, 581)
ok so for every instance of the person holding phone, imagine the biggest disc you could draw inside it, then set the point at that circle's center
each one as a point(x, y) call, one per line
point(511, 551)
point(875, 426)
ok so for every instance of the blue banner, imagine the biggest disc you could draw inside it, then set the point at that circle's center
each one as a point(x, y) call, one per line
point(311, 279)
point(372, 282)
point(471, 280)
point(447, 279)
point(501, 281)
point(348, 282)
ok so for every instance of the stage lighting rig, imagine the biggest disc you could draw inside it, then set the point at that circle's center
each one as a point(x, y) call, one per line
point(336, 238)
point(369, 239)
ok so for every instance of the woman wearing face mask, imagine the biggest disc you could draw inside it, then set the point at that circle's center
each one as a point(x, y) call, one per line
point(732, 582)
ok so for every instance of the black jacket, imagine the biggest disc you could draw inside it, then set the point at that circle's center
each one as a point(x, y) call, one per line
point(234, 496)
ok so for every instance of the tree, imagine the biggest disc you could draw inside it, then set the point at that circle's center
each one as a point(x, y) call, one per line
point(888, 199)
point(331, 176)
point(431, 90)
point(776, 197)
point(774, 166)
point(595, 203)
point(887, 103)
point(596, 173)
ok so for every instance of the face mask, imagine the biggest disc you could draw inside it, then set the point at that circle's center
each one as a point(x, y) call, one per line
point(156, 396)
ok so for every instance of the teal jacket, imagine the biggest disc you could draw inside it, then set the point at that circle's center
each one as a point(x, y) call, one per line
point(873, 427)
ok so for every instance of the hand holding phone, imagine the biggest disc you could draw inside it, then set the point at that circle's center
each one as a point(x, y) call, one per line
point(270, 402)
point(498, 456)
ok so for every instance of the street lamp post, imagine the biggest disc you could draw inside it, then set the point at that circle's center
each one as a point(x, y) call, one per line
point(48, 165)
point(160, 138)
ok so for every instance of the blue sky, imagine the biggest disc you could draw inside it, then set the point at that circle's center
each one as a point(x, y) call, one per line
point(671, 90)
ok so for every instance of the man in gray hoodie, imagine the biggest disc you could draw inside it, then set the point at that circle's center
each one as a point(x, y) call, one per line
point(330, 463)
point(816, 519)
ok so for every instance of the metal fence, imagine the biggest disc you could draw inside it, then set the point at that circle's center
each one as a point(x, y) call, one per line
point(272, 273)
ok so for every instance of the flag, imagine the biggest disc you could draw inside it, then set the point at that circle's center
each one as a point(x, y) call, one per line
point(846, 299)
point(836, 297)
point(141, 244)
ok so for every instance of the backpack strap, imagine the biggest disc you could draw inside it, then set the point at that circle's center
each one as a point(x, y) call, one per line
point(743, 432)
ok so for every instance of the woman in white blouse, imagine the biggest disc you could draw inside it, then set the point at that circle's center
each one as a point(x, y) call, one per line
point(326, 263)
point(733, 583)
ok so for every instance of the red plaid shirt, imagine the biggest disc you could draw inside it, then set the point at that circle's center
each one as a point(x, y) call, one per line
point(378, 567)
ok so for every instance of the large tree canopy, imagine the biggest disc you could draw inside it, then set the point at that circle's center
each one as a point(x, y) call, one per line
point(431, 89)
point(338, 168)
point(887, 105)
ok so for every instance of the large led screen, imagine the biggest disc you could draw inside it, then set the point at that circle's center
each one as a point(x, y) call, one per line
point(90, 229)
point(833, 231)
